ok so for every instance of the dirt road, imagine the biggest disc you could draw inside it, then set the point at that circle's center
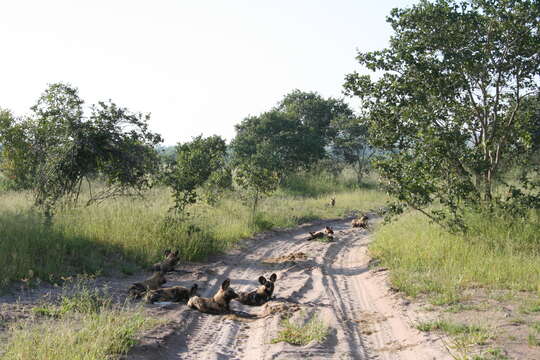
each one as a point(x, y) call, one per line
point(333, 280)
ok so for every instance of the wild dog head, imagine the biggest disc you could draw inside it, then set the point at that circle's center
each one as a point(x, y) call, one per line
point(333, 201)
point(261, 295)
point(225, 294)
point(218, 304)
point(171, 257)
point(328, 230)
point(267, 288)
point(168, 264)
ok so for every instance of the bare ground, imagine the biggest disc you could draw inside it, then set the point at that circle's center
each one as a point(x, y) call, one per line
point(332, 280)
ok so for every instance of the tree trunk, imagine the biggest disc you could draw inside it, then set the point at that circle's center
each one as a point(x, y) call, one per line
point(255, 203)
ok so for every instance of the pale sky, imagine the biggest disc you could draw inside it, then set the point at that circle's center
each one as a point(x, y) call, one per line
point(197, 66)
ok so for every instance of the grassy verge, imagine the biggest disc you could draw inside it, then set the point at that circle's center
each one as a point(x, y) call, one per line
point(127, 232)
point(296, 334)
point(464, 333)
point(498, 253)
point(84, 325)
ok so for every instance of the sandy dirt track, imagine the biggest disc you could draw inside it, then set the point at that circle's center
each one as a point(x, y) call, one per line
point(367, 320)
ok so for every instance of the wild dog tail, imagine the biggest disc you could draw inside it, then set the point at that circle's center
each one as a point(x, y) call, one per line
point(241, 316)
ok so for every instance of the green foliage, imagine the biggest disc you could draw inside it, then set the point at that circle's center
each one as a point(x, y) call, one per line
point(350, 144)
point(195, 163)
point(276, 136)
point(291, 137)
point(447, 104)
point(57, 148)
point(317, 118)
point(114, 234)
point(217, 184)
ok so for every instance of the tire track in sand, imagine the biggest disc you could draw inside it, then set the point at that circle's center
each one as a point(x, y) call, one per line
point(335, 282)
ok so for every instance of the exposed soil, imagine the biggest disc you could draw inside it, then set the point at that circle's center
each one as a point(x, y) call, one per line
point(330, 279)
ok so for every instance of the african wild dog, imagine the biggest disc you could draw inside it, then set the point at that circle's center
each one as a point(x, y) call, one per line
point(261, 295)
point(218, 304)
point(315, 235)
point(174, 294)
point(137, 290)
point(167, 265)
point(360, 222)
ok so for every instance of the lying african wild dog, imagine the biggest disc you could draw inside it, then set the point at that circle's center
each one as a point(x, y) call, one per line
point(261, 295)
point(137, 290)
point(360, 223)
point(328, 230)
point(315, 235)
point(174, 294)
point(167, 265)
point(218, 304)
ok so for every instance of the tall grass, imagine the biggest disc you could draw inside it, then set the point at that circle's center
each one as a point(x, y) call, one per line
point(124, 231)
point(497, 253)
point(84, 325)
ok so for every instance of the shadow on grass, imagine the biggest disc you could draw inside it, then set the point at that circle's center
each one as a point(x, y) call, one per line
point(29, 250)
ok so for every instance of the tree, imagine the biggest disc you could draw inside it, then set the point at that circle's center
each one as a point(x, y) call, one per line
point(55, 149)
point(194, 164)
point(257, 175)
point(315, 115)
point(350, 143)
point(447, 100)
point(265, 147)
point(279, 136)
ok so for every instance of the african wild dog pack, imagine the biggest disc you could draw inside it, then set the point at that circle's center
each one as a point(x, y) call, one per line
point(151, 289)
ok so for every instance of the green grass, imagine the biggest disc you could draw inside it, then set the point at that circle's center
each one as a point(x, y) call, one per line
point(498, 253)
point(84, 324)
point(122, 233)
point(533, 340)
point(491, 354)
point(464, 335)
point(313, 330)
point(530, 307)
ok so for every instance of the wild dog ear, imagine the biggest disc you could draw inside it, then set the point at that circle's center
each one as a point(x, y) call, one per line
point(273, 277)
point(311, 232)
point(225, 284)
point(167, 252)
point(262, 280)
point(175, 253)
point(193, 289)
